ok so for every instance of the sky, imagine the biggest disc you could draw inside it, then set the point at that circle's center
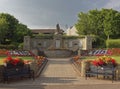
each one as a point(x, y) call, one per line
point(37, 14)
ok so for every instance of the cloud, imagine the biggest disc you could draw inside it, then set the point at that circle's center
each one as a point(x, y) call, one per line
point(47, 13)
point(115, 4)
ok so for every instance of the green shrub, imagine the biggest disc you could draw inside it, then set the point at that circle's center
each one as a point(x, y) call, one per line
point(72, 37)
point(20, 46)
point(113, 43)
point(11, 46)
point(43, 36)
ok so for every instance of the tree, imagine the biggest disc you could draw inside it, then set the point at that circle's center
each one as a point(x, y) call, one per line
point(20, 32)
point(83, 27)
point(116, 26)
point(11, 31)
point(3, 29)
point(96, 22)
point(111, 22)
point(12, 23)
point(102, 24)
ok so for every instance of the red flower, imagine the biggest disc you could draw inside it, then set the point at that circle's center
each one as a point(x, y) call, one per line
point(105, 60)
point(113, 61)
point(100, 62)
point(95, 63)
point(16, 61)
point(9, 58)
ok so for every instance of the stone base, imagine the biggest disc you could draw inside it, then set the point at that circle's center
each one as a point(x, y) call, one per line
point(58, 53)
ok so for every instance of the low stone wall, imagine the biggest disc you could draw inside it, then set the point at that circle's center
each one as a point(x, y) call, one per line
point(58, 53)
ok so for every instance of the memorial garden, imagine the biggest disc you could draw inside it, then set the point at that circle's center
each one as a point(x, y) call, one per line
point(94, 53)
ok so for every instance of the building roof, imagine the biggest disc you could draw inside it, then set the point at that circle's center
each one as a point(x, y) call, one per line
point(52, 31)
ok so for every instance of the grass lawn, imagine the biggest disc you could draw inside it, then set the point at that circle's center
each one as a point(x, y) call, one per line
point(117, 58)
point(24, 58)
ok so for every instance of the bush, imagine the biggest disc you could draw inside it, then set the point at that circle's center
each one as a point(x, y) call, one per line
point(43, 36)
point(21, 46)
point(11, 46)
point(113, 43)
point(72, 37)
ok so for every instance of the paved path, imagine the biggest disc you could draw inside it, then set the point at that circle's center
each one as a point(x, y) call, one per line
point(58, 71)
point(60, 74)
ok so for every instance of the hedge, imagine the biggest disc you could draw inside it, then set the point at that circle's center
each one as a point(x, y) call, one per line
point(113, 43)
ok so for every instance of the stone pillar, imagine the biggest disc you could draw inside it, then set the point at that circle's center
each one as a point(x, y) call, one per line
point(79, 48)
point(88, 42)
point(27, 43)
point(83, 67)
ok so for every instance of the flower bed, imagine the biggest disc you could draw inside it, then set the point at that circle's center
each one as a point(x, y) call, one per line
point(13, 62)
point(40, 59)
point(100, 61)
point(3, 52)
point(104, 60)
point(27, 56)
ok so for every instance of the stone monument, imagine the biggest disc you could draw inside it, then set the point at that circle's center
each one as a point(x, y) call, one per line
point(57, 45)
point(57, 48)
point(57, 39)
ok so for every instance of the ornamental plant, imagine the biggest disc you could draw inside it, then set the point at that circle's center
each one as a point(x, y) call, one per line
point(40, 59)
point(104, 60)
point(76, 58)
point(10, 62)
